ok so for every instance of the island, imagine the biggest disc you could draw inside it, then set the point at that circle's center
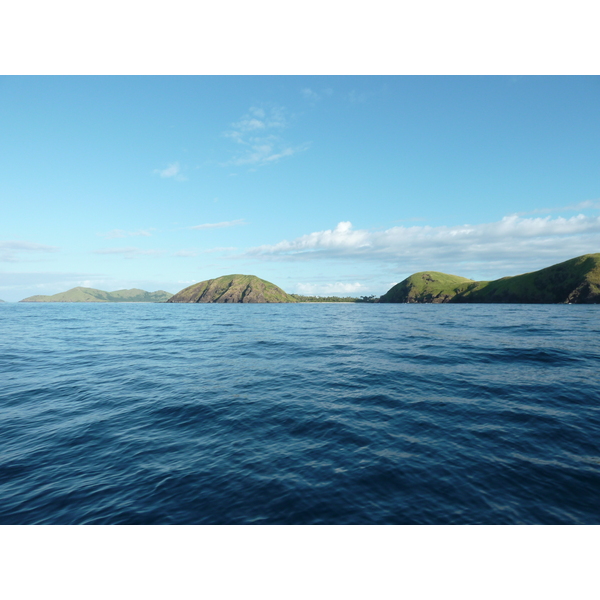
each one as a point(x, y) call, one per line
point(244, 289)
point(575, 281)
point(83, 294)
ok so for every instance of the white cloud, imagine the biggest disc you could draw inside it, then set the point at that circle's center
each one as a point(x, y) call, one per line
point(11, 251)
point(120, 233)
point(129, 252)
point(186, 253)
point(220, 225)
point(513, 241)
point(258, 134)
point(173, 170)
point(328, 289)
point(257, 119)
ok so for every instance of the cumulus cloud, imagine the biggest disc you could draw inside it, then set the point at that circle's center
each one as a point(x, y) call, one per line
point(173, 170)
point(220, 225)
point(120, 233)
point(14, 251)
point(258, 135)
point(129, 252)
point(511, 241)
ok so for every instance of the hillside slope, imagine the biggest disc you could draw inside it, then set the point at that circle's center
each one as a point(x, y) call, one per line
point(575, 281)
point(83, 294)
point(233, 289)
point(426, 287)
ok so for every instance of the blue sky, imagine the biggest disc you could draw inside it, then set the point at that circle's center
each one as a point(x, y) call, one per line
point(321, 184)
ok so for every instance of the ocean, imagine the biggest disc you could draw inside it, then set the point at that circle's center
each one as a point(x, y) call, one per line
point(299, 414)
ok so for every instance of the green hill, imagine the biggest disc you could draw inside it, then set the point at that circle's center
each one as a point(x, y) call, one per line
point(83, 294)
point(233, 289)
point(428, 287)
point(575, 281)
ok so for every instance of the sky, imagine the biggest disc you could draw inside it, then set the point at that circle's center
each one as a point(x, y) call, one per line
point(323, 185)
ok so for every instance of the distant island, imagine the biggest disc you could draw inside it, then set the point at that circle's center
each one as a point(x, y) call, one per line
point(575, 281)
point(83, 294)
point(245, 289)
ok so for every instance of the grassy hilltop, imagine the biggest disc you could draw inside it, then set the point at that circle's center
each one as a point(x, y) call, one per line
point(575, 281)
point(233, 289)
point(83, 294)
point(428, 286)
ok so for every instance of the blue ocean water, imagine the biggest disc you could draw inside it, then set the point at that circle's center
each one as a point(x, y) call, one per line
point(299, 414)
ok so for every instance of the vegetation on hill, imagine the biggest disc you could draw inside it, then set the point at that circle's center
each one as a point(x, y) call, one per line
point(83, 294)
point(427, 286)
point(575, 281)
point(233, 289)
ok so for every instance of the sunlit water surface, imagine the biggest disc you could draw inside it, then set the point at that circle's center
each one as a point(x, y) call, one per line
point(311, 413)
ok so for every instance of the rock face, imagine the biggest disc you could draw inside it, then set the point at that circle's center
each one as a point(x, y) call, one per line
point(82, 294)
point(232, 289)
point(575, 281)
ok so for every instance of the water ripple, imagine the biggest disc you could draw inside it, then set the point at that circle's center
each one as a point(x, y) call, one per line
point(369, 414)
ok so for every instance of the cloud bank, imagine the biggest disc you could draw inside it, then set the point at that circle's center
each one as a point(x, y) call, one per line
point(12, 251)
point(512, 241)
